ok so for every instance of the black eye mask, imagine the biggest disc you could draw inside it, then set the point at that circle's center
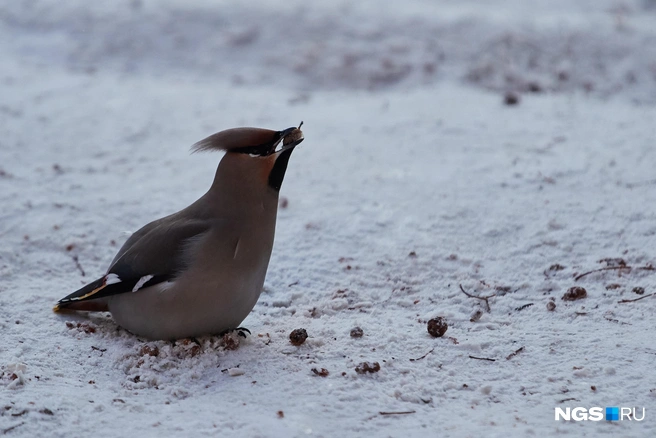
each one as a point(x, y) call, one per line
point(269, 148)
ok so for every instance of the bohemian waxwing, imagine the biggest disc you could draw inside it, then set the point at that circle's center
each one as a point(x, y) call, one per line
point(201, 270)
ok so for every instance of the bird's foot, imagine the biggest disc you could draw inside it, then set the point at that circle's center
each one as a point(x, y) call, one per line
point(241, 331)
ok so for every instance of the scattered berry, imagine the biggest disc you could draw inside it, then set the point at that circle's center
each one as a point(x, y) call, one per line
point(231, 341)
point(148, 350)
point(366, 367)
point(437, 327)
point(511, 98)
point(534, 87)
point(322, 372)
point(356, 332)
point(575, 293)
point(298, 336)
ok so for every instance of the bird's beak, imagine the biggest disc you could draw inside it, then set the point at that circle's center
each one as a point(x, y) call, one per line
point(290, 138)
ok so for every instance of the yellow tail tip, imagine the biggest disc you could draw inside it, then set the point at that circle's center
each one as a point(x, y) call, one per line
point(56, 309)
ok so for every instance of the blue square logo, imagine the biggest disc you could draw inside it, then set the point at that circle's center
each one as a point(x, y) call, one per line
point(613, 414)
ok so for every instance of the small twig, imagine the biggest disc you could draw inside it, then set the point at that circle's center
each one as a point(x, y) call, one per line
point(567, 399)
point(102, 350)
point(397, 413)
point(607, 268)
point(641, 183)
point(617, 321)
point(523, 307)
point(482, 358)
point(636, 299)
point(420, 358)
point(79, 266)
point(515, 353)
point(9, 429)
point(20, 414)
point(487, 304)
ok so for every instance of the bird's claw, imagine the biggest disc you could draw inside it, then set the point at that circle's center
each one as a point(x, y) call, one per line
point(240, 331)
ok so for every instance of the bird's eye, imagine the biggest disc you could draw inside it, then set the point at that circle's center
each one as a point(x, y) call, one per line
point(262, 150)
point(258, 151)
point(289, 137)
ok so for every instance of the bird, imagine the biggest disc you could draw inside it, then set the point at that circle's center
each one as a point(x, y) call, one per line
point(201, 270)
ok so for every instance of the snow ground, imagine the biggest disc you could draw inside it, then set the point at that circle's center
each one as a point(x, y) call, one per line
point(414, 179)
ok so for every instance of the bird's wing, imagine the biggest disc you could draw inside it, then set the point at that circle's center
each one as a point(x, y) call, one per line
point(154, 254)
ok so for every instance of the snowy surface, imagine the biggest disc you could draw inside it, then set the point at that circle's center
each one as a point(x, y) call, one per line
point(414, 178)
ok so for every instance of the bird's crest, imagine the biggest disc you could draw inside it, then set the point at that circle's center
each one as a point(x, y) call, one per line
point(255, 141)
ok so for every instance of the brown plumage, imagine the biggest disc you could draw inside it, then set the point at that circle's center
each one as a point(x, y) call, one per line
point(200, 270)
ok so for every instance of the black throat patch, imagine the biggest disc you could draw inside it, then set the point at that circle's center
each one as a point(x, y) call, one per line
point(279, 168)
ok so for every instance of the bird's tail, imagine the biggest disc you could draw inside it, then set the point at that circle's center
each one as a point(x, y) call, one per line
point(78, 299)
